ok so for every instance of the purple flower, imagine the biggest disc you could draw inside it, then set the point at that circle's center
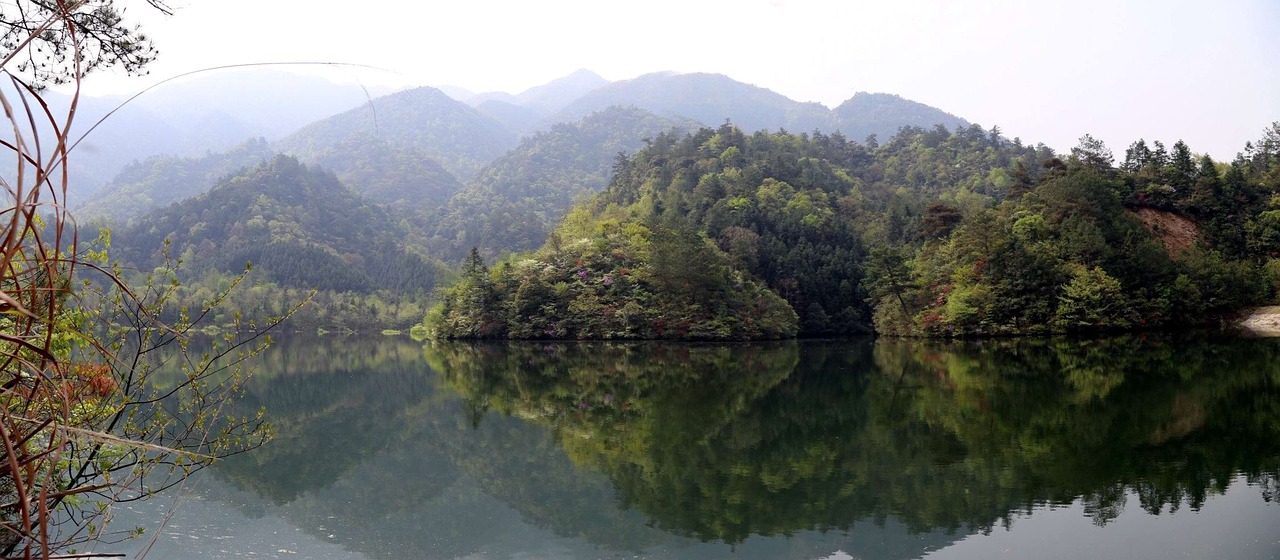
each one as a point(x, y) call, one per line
point(608, 280)
point(582, 406)
point(582, 274)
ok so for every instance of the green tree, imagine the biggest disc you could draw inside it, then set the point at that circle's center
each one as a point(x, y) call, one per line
point(888, 275)
point(84, 420)
point(1092, 300)
point(1093, 153)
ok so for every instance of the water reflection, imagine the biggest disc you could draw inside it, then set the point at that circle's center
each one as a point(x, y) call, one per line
point(723, 442)
point(879, 449)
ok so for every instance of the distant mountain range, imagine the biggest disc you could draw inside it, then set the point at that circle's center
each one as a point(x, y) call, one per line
point(492, 170)
point(195, 116)
point(709, 99)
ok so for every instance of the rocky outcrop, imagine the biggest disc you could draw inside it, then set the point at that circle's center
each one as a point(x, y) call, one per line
point(1263, 321)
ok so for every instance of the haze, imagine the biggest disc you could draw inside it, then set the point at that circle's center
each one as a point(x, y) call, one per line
point(1045, 72)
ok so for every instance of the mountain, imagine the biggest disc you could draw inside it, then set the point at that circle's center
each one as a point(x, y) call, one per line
point(131, 133)
point(522, 112)
point(266, 102)
point(514, 202)
point(883, 114)
point(707, 98)
point(712, 98)
point(556, 94)
point(425, 120)
point(456, 93)
point(161, 180)
point(190, 117)
point(518, 118)
point(298, 224)
point(392, 174)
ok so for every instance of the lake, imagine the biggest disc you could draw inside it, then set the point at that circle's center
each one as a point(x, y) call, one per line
point(1152, 446)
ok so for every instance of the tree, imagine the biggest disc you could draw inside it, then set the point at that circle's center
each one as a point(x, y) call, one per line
point(1182, 172)
point(82, 425)
point(887, 274)
point(1092, 153)
point(60, 41)
point(1136, 157)
point(1092, 300)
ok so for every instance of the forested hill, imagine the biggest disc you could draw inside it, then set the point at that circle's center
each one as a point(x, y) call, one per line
point(159, 181)
point(931, 232)
point(518, 199)
point(883, 114)
point(298, 225)
point(423, 122)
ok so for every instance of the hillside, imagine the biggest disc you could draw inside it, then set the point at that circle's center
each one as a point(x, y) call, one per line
point(159, 181)
point(298, 225)
point(517, 118)
point(883, 114)
point(397, 175)
point(516, 200)
point(424, 120)
point(932, 233)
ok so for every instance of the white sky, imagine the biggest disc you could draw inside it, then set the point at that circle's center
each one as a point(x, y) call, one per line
point(1206, 72)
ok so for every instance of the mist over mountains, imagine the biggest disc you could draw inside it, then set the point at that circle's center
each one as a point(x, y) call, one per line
point(419, 146)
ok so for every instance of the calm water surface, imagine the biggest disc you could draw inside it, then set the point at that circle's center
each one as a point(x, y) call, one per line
point(1132, 447)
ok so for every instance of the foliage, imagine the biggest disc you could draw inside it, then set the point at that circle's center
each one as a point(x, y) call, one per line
point(969, 234)
point(60, 42)
point(625, 281)
point(1069, 253)
point(84, 423)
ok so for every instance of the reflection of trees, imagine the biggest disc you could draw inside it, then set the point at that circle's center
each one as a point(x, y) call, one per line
point(725, 442)
point(1169, 420)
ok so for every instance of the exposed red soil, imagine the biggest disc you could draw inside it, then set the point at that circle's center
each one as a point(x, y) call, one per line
point(1176, 233)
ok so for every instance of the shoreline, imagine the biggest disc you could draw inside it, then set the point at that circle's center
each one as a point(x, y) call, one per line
point(1262, 321)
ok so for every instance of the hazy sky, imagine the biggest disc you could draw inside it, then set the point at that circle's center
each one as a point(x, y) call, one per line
point(1206, 72)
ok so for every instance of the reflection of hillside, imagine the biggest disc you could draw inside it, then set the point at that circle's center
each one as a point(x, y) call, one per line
point(723, 443)
point(603, 449)
point(370, 451)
